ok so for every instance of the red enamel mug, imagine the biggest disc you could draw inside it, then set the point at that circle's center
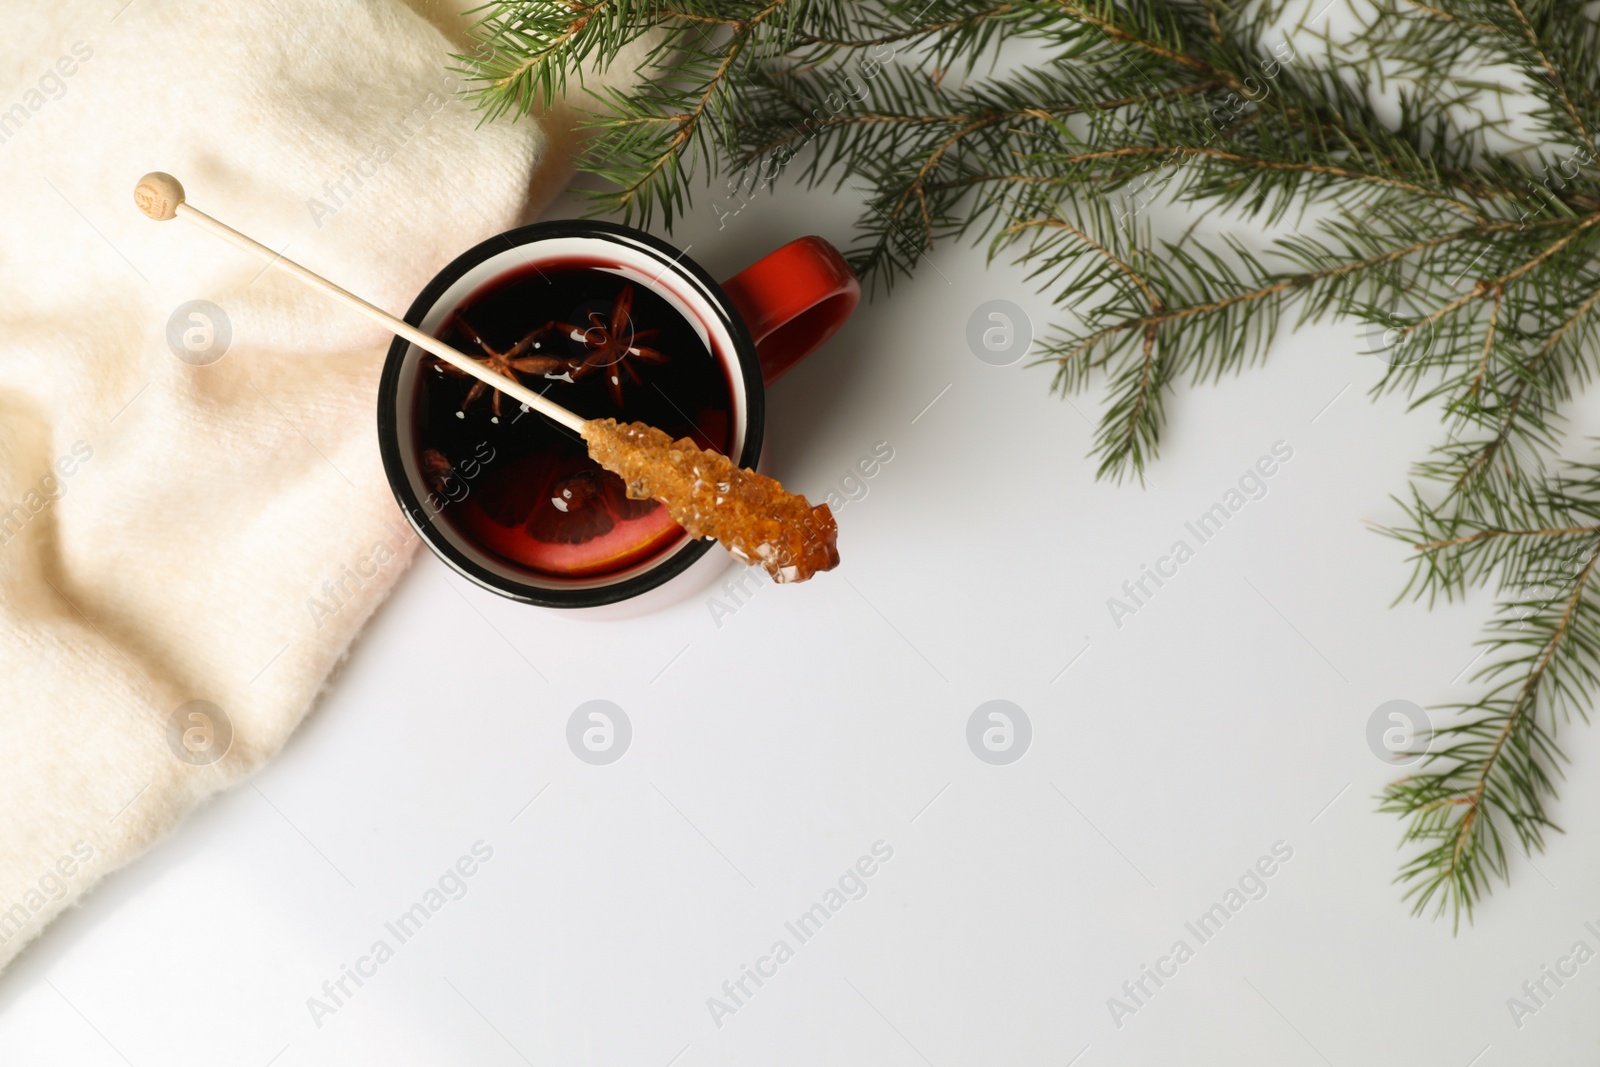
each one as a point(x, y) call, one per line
point(610, 322)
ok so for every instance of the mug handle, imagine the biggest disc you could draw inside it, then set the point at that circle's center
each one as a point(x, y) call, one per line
point(793, 300)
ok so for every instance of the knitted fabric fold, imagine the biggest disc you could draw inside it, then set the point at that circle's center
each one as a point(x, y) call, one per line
point(194, 522)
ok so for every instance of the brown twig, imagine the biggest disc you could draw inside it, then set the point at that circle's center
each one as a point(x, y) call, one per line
point(1482, 535)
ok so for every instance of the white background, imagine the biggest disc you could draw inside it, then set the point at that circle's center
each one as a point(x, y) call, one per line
point(772, 751)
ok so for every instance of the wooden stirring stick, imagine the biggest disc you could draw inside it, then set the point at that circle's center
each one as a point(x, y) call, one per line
point(704, 492)
point(161, 197)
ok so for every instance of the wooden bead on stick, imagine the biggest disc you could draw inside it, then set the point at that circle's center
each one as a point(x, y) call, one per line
point(158, 195)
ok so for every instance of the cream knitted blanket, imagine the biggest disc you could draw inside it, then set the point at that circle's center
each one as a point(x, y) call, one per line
point(189, 543)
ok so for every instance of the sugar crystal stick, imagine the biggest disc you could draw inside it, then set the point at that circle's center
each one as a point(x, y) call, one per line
point(709, 496)
point(704, 492)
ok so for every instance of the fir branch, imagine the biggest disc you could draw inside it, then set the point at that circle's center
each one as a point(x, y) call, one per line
point(1492, 770)
point(1481, 261)
point(1557, 84)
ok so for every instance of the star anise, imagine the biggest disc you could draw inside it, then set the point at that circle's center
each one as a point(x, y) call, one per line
point(509, 363)
point(612, 344)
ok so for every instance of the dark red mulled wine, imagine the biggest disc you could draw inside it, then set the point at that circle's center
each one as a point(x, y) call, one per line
point(600, 342)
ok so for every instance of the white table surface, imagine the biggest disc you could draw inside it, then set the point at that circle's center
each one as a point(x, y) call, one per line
point(771, 751)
